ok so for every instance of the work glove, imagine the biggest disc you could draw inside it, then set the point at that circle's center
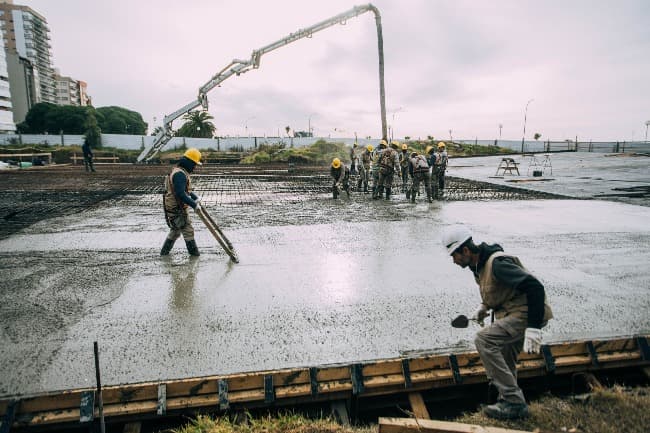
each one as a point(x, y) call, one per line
point(532, 340)
point(480, 314)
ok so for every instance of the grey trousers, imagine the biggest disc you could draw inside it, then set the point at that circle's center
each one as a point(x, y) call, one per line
point(499, 345)
point(187, 231)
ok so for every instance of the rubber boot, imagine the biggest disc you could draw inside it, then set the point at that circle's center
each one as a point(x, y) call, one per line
point(365, 187)
point(335, 192)
point(167, 247)
point(347, 191)
point(388, 193)
point(412, 196)
point(379, 192)
point(192, 248)
point(359, 183)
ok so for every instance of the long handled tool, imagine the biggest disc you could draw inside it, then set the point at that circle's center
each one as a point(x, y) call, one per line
point(217, 233)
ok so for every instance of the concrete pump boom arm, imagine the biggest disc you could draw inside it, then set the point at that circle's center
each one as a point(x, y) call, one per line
point(238, 67)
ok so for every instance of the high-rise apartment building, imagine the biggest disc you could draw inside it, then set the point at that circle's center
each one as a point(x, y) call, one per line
point(27, 36)
point(6, 109)
point(70, 91)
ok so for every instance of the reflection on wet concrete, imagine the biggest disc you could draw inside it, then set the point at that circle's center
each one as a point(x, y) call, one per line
point(322, 289)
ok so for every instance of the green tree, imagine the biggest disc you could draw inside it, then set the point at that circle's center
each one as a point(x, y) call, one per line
point(93, 133)
point(537, 136)
point(119, 120)
point(197, 124)
point(35, 122)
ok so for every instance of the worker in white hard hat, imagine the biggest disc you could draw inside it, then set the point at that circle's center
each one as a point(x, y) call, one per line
point(519, 305)
point(178, 199)
point(341, 178)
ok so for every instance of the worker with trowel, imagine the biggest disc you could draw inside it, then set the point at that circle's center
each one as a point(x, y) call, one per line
point(340, 178)
point(518, 302)
point(178, 197)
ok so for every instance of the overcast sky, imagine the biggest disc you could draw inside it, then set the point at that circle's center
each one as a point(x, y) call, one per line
point(465, 66)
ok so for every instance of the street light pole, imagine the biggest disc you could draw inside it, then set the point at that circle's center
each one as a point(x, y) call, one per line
point(246, 125)
point(392, 126)
point(647, 123)
point(525, 116)
point(309, 125)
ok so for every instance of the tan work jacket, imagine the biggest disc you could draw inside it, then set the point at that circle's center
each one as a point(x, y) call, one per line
point(504, 300)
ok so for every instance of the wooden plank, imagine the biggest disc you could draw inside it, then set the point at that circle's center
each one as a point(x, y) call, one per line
point(418, 407)
point(327, 374)
point(382, 368)
point(132, 427)
point(428, 363)
point(409, 425)
point(380, 381)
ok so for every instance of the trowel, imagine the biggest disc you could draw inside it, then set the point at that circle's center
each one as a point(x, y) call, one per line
point(462, 321)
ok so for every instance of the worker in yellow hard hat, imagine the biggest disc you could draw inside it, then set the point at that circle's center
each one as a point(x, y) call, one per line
point(438, 162)
point(404, 166)
point(341, 176)
point(177, 199)
point(374, 168)
point(388, 165)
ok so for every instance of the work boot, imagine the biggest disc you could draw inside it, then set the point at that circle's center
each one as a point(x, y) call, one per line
point(365, 188)
point(167, 247)
point(192, 248)
point(379, 192)
point(347, 191)
point(412, 196)
point(388, 193)
point(506, 410)
point(359, 183)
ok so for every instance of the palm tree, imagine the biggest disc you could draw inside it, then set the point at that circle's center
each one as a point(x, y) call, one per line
point(197, 125)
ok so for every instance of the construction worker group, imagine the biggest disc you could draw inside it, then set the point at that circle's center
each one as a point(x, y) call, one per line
point(376, 169)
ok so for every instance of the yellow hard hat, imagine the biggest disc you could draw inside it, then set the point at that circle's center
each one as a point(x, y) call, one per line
point(394, 144)
point(428, 149)
point(383, 142)
point(370, 148)
point(336, 163)
point(441, 144)
point(405, 146)
point(194, 155)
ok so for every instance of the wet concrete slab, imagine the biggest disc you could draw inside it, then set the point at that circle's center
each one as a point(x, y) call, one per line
point(344, 281)
point(623, 177)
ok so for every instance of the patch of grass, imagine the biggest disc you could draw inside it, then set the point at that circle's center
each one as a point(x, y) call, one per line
point(284, 423)
point(612, 410)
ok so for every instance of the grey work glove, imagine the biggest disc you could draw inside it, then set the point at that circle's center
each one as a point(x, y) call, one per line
point(532, 340)
point(480, 314)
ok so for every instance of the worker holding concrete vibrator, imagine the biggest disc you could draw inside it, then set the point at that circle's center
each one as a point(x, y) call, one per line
point(178, 197)
point(518, 302)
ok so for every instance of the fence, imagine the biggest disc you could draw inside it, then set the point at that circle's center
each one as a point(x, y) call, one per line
point(240, 144)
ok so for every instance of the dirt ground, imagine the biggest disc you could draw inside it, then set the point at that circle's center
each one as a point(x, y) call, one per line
point(320, 281)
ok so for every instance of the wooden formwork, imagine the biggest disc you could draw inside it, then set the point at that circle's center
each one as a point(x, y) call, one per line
point(310, 384)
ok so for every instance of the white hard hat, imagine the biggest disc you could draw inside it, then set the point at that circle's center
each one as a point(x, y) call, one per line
point(454, 236)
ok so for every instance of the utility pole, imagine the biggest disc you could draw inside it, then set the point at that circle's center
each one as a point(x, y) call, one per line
point(525, 115)
point(647, 123)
